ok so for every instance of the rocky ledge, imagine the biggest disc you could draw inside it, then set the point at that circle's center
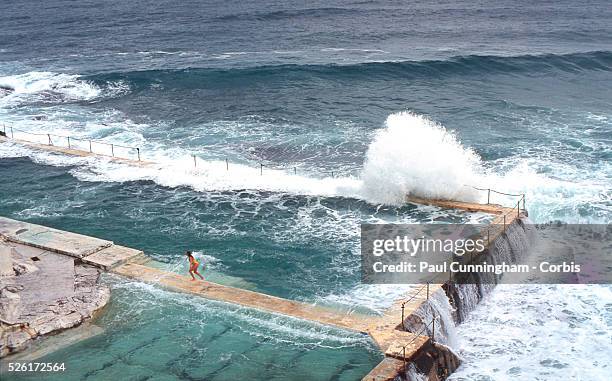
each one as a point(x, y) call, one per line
point(42, 293)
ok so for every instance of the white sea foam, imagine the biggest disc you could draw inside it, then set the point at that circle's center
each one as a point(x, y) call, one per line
point(414, 155)
point(433, 164)
point(37, 82)
point(375, 298)
point(411, 155)
point(544, 332)
point(559, 193)
point(42, 86)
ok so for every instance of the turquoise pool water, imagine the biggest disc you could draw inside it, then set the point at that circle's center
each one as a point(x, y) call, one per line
point(157, 335)
point(318, 94)
point(297, 247)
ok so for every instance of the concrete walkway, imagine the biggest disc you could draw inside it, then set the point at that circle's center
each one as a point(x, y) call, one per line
point(251, 299)
point(97, 252)
point(74, 152)
point(385, 330)
point(127, 262)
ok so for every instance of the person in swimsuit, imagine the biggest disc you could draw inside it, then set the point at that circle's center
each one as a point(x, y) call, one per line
point(193, 266)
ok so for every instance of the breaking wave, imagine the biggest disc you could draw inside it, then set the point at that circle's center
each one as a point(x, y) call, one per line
point(416, 156)
point(411, 155)
point(49, 87)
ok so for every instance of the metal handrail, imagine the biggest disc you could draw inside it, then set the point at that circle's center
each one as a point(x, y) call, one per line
point(489, 191)
point(426, 285)
point(261, 164)
point(69, 138)
point(423, 329)
point(416, 336)
point(494, 191)
point(73, 138)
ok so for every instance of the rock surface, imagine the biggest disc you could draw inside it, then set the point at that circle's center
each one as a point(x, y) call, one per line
point(42, 293)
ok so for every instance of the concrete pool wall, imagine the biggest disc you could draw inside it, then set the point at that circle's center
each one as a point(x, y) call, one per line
point(405, 350)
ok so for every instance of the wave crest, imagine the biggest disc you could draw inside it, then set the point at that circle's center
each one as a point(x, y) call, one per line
point(416, 156)
point(524, 65)
point(49, 87)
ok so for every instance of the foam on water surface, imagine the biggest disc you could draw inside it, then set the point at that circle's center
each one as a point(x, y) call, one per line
point(391, 169)
point(538, 332)
point(532, 105)
point(52, 88)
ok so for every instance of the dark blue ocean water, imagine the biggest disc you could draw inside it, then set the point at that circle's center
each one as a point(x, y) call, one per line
point(312, 91)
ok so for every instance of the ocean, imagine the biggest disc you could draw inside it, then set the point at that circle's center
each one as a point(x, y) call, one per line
point(306, 120)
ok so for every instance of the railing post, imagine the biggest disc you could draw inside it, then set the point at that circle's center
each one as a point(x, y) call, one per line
point(524, 202)
point(90, 151)
point(504, 222)
point(489, 196)
point(427, 290)
point(68, 141)
point(12, 133)
point(260, 169)
point(433, 327)
point(138, 152)
point(50, 142)
point(404, 358)
point(195, 162)
point(518, 209)
point(403, 326)
point(226, 164)
point(113, 150)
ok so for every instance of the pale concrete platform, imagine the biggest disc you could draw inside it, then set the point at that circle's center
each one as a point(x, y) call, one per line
point(405, 344)
point(74, 152)
point(387, 370)
point(113, 256)
point(461, 205)
point(251, 299)
point(387, 331)
point(94, 251)
point(398, 346)
point(59, 241)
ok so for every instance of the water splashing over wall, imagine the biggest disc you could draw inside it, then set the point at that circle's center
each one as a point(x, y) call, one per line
point(437, 308)
point(511, 247)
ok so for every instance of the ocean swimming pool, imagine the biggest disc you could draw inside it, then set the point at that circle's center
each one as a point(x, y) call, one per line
point(306, 91)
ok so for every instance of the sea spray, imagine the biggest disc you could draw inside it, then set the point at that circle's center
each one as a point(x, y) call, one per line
point(437, 308)
point(417, 156)
point(412, 155)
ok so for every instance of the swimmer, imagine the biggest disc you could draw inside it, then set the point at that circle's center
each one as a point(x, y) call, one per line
point(193, 266)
